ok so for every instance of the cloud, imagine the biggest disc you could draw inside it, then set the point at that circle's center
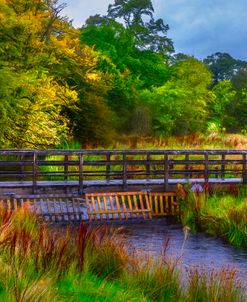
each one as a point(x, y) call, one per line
point(200, 27)
point(197, 27)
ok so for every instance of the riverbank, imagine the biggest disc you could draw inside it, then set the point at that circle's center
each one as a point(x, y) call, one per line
point(94, 264)
point(216, 211)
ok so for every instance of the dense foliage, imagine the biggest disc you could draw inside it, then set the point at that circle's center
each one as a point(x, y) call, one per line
point(115, 76)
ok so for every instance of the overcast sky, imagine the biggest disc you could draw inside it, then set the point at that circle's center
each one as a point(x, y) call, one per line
point(197, 27)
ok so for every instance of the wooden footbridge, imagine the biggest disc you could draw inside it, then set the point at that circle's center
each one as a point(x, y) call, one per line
point(69, 185)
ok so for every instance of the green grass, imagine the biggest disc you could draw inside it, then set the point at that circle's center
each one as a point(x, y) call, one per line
point(221, 212)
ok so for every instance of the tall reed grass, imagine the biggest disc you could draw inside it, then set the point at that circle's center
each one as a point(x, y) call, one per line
point(218, 212)
point(90, 264)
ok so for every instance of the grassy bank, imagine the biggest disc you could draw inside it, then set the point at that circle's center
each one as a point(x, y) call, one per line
point(212, 140)
point(219, 212)
point(93, 264)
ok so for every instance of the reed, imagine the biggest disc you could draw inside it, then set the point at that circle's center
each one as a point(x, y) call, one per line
point(219, 212)
point(92, 263)
point(216, 285)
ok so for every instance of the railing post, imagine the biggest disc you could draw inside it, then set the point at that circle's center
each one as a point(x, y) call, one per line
point(66, 170)
point(166, 171)
point(34, 172)
point(223, 157)
point(206, 172)
point(22, 167)
point(187, 175)
point(124, 172)
point(148, 166)
point(108, 166)
point(80, 173)
point(244, 172)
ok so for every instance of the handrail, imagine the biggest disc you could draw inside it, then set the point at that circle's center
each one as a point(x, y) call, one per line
point(82, 165)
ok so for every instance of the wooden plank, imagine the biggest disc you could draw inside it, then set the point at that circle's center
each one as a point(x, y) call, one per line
point(118, 207)
point(166, 203)
point(67, 208)
point(161, 205)
point(99, 206)
point(206, 174)
point(49, 209)
point(136, 206)
point(124, 207)
point(80, 213)
point(124, 172)
point(55, 212)
point(108, 166)
point(66, 166)
point(34, 172)
point(130, 205)
point(74, 209)
point(156, 205)
point(244, 173)
point(94, 208)
point(80, 173)
point(148, 206)
point(112, 207)
point(166, 172)
point(60, 201)
point(105, 207)
point(15, 204)
point(89, 212)
point(148, 161)
point(142, 205)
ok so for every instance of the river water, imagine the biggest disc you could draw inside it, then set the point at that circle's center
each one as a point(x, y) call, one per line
point(197, 250)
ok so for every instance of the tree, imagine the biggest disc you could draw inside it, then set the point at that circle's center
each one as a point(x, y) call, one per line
point(150, 34)
point(180, 105)
point(220, 107)
point(224, 66)
point(41, 54)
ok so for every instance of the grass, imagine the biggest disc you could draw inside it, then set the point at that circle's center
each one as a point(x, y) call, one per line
point(92, 264)
point(211, 286)
point(219, 212)
point(213, 140)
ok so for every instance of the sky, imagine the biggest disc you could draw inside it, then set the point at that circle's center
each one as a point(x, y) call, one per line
point(197, 27)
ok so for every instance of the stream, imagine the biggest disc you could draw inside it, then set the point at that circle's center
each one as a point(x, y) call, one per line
point(197, 250)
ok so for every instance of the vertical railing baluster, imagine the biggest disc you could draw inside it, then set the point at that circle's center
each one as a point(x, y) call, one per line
point(166, 171)
point(206, 172)
point(124, 172)
point(148, 166)
point(108, 166)
point(34, 172)
point(244, 172)
point(22, 167)
point(187, 172)
point(66, 166)
point(80, 173)
point(223, 157)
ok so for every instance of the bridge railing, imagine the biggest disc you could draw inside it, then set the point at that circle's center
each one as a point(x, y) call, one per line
point(108, 166)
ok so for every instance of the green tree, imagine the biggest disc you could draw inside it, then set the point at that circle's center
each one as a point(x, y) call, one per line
point(150, 34)
point(220, 107)
point(180, 105)
point(224, 66)
point(41, 55)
